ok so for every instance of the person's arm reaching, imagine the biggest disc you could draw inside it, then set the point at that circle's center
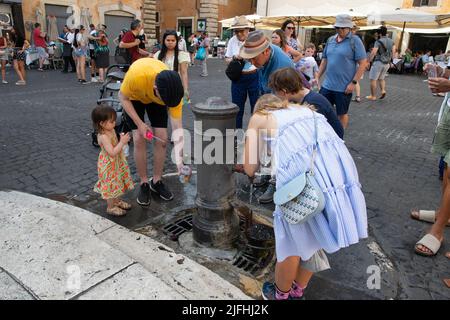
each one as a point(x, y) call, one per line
point(184, 78)
point(178, 139)
point(131, 112)
point(128, 45)
point(110, 149)
point(322, 68)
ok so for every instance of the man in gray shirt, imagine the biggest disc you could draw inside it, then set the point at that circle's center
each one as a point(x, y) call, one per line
point(381, 55)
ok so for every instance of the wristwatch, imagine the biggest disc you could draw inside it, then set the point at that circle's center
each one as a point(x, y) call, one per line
point(354, 81)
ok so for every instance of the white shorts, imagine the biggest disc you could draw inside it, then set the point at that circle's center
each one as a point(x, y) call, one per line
point(378, 70)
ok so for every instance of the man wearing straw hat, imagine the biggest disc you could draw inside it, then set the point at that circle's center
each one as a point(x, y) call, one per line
point(341, 57)
point(247, 84)
point(268, 58)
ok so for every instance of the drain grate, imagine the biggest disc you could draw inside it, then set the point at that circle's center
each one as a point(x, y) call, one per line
point(245, 260)
point(177, 228)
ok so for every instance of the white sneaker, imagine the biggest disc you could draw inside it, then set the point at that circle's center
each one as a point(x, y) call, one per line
point(94, 79)
point(5, 82)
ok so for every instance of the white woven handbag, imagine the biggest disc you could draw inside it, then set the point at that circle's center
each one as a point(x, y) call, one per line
point(301, 198)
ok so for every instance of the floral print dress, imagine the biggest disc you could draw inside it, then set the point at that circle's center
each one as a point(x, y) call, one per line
point(114, 177)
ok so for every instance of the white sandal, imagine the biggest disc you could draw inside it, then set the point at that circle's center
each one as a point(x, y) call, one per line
point(431, 243)
point(425, 215)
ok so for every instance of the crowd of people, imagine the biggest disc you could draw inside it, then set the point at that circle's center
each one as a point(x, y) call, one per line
point(299, 101)
point(81, 48)
point(299, 111)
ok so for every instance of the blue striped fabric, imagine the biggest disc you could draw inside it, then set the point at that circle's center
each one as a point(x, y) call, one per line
point(344, 219)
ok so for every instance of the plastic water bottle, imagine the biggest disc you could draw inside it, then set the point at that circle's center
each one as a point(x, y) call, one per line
point(185, 174)
point(126, 150)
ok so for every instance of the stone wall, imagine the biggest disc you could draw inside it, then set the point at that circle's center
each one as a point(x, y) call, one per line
point(149, 18)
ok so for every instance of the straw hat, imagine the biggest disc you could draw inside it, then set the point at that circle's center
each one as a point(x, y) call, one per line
point(240, 22)
point(255, 44)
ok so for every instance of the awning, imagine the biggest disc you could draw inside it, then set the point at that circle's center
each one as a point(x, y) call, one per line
point(11, 1)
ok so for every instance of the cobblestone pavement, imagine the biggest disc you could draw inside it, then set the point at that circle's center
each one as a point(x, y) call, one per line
point(46, 149)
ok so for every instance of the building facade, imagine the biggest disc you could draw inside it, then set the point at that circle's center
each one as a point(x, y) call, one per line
point(190, 16)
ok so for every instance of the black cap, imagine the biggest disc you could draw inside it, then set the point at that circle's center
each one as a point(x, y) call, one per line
point(170, 87)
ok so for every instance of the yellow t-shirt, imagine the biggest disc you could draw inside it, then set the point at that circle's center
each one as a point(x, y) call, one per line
point(139, 81)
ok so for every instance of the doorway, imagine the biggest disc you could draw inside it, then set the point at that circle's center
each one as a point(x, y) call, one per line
point(115, 23)
point(185, 26)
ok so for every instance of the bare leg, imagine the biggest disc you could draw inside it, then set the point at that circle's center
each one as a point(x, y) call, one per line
point(438, 227)
point(22, 70)
point(140, 155)
point(3, 70)
point(382, 86)
point(16, 68)
point(159, 153)
point(358, 89)
point(344, 120)
point(286, 273)
point(110, 203)
point(303, 276)
point(373, 88)
point(77, 61)
point(102, 72)
point(83, 67)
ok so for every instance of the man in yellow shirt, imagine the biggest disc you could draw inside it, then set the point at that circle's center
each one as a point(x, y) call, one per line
point(149, 87)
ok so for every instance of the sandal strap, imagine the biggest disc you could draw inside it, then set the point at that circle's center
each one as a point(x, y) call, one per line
point(427, 215)
point(431, 242)
point(116, 211)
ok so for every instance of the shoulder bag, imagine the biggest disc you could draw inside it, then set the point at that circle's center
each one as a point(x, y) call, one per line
point(301, 199)
point(234, 69)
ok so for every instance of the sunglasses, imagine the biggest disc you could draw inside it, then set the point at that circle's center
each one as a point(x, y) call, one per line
point(341, 28)
point(290, 28)
point(239, 30)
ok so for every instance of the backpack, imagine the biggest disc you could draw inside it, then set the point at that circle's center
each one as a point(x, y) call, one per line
point(123, 56)
point(385, 57)
point(352, 44)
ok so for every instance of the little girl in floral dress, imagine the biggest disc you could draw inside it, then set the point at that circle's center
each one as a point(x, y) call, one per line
point(114, 177)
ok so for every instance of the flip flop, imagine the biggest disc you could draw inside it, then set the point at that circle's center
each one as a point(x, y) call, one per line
point(371, 98)
point(383, 95)
point(431, 243)
point(425, 215)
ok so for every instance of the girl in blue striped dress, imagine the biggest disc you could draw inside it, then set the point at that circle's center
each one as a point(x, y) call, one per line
point(343, 222)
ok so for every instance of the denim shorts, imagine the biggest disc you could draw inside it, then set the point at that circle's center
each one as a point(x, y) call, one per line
point(42, 53)
point(338, 99)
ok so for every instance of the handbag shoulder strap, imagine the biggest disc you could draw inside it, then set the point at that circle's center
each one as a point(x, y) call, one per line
point(314, 152)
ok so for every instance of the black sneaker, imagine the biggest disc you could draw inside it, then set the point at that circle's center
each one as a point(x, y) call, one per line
point(144, 195)
point(267, 196)
point(160, 189)
point(261, 180)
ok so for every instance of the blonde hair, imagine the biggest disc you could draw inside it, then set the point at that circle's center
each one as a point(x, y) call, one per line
point(269, 102)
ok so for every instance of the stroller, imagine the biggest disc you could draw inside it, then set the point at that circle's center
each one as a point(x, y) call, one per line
point(109, 96)
point(113, 80)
